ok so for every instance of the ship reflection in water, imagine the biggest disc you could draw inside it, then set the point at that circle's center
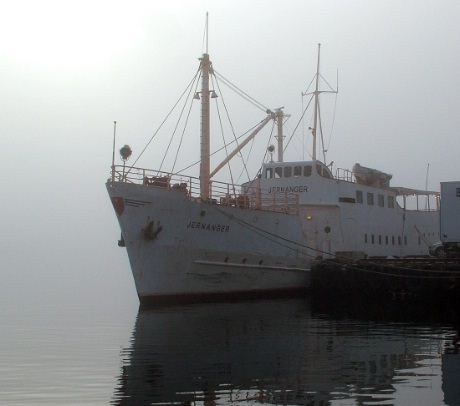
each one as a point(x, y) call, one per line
point(280, 352)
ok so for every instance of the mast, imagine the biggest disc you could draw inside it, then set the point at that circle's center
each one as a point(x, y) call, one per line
point(205, 122)
point(317, 113)
point(316, 105)
point(279, 120)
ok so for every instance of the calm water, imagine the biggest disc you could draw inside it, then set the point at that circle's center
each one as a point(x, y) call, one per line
point(272, 351)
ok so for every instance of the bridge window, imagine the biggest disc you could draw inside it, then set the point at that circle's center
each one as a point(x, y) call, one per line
point(359, 196)
point(365, 238)
point(372, 238)
point(287, 171)
point(323, 171)
point(381, 200)
point(458, 192)
point(278, 172)
point(386, 240)
point(370, 199)
point(307, 171)
point(392, 240)
point(297, 171)
point(405, 240)
point(399, 240)
point(269, 173)
point(391, 202)
point(380, 239)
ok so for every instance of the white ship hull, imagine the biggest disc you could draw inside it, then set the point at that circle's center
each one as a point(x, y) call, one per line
point(184, 249)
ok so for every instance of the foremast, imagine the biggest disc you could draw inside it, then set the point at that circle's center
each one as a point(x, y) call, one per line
point(205, 128)
point(206, 94)
point(205, 138)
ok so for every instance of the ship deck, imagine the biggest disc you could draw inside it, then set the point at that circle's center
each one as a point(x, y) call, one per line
point(221, 193)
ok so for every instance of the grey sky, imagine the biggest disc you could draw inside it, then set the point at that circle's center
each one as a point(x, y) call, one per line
point(68, 69)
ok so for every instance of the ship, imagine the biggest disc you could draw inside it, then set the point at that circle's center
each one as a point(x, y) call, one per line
point(193, 238)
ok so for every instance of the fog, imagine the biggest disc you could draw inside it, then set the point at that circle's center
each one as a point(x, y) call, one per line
point(69, 69)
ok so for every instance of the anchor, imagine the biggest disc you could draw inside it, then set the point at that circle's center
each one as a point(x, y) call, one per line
point(150, 232)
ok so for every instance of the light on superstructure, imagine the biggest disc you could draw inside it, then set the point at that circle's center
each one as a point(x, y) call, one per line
point(125, 152)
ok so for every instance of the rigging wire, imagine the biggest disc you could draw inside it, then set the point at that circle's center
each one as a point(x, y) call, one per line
point(164, 120)
point(268, 144)
point(240, 92)
point(218, 150)
point(183, 130)
point(303, 130)
point(231, 126)
point(300, 120)
point(247, 158)
point(330, 87)
point(223, 139)
point(298, 146)
point(178, 121)
point(308, 87)
point(321, 133)
point(333, 122)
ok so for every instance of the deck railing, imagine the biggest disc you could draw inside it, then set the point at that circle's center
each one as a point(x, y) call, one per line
point(221, 193)
point(345, 174)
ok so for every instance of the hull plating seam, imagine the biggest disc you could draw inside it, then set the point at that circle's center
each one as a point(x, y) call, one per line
point(239, 265)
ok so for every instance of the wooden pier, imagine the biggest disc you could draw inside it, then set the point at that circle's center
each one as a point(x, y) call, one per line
point(376, 279)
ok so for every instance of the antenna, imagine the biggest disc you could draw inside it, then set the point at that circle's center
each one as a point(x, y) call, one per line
point(113, 150)
point(206, 29)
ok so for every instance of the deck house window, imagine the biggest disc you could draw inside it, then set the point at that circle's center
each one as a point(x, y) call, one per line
point(391, 202)
point(392, 240)
point(297, 171)
point(380, 240)
point(359, 196)
point(269, 173)
point(399, 240)
point(287, 171)
point(386, 240)
point(405, 240)
point(457, 192)
point(307, 171)
point(365, 238)
point(381, 200)
point(278, 172)
point(370, 199)
point(323, 171)
point(372, 239)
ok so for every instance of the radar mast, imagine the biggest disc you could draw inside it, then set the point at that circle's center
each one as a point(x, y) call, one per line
point(317, 111)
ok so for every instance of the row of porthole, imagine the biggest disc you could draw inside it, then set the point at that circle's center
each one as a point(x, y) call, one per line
point(393, 240)
point(387, 239)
